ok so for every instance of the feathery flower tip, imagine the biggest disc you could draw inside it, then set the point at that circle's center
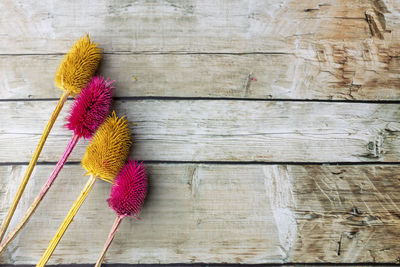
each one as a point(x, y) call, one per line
point(78, 66)
point(91, 107)
point(129, 189)
point(106, 154)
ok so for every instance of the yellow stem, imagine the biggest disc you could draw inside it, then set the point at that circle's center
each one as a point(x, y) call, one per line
point(32, 163)
point(46, 187)
point(67, 220)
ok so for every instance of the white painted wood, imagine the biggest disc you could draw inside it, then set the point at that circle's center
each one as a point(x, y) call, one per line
point(334, 50)
point(216, 75)
point(220, 213)
point(235, 213)
point(226, 130)
point(195, 26)
point(142, 26)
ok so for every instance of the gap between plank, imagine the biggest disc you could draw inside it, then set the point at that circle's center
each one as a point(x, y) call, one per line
point(177, 98)
point(343, 163)
point(153, 53)
point(211, 264)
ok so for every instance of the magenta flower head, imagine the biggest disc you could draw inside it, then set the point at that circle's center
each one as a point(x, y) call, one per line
point(129, 189)
point(91, 107)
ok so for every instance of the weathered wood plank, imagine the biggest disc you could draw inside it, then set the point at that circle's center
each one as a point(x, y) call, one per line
point(193, 26)
point(336, 75)
point(334, 206)
point(333, 50)
point(222, 130)
point(221, 213)
point(336, 49)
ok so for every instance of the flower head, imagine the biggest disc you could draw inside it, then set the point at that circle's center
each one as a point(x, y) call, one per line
point(91, 107)
point(129, 189)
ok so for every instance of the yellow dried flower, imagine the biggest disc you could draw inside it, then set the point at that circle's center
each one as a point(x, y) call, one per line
point(78, 66)
point(107, 152)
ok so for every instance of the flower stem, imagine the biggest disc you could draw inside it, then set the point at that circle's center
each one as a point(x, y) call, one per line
point(67, 220)
point(32, 163)
point(110, 238)
point(31, 210)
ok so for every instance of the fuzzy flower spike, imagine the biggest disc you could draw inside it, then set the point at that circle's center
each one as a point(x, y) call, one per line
point(91, 107)
point(78, 66)
point(126, 199)
point(88, 112)
point(74, 72)
point(104, 158)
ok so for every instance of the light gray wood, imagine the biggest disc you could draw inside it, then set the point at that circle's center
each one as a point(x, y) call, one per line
point(222, 130)
point(292, 49)
point(216, 212)
point(197, 26)
point(235, 76)
point(221, 213)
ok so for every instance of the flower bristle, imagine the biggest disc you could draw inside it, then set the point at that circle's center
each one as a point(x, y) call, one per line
point(78, 66)
point(91, 107)
point(129, 189)
point(106, 154)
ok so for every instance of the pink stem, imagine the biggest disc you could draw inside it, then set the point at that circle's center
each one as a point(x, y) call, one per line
point(60, 164)
point(110, 238)
point(71, 144)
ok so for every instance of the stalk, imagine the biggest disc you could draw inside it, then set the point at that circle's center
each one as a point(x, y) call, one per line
point(32, 163)
point(67, 221)
point(110, 238)
point(31, 210)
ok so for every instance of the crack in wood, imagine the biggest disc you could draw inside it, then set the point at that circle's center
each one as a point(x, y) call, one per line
point(370, 16)
point(339, 245)
point(247, 84)
point(355, 211)
point(195, 181)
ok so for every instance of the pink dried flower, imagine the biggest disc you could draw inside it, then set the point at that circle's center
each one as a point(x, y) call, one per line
point(91, 107)
point(129, 189)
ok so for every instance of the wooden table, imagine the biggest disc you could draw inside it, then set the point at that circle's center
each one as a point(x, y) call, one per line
point(270, 129)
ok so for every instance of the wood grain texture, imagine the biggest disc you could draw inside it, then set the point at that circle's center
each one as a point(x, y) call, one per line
point(281, 76)
point(243, 212)
point(192, 26)
point(222, 213)
point(226, 130)
point(339, 49)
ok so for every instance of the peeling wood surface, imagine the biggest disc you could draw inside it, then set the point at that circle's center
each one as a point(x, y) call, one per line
point(339, 72)
point(243, 69)
point(208, 26)
point(297, 49)
point(223, 213)
point(205, 130)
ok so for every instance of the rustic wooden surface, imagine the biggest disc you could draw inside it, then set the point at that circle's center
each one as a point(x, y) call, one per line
point(270, 128)
point(224, 130)
point(224, 213)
